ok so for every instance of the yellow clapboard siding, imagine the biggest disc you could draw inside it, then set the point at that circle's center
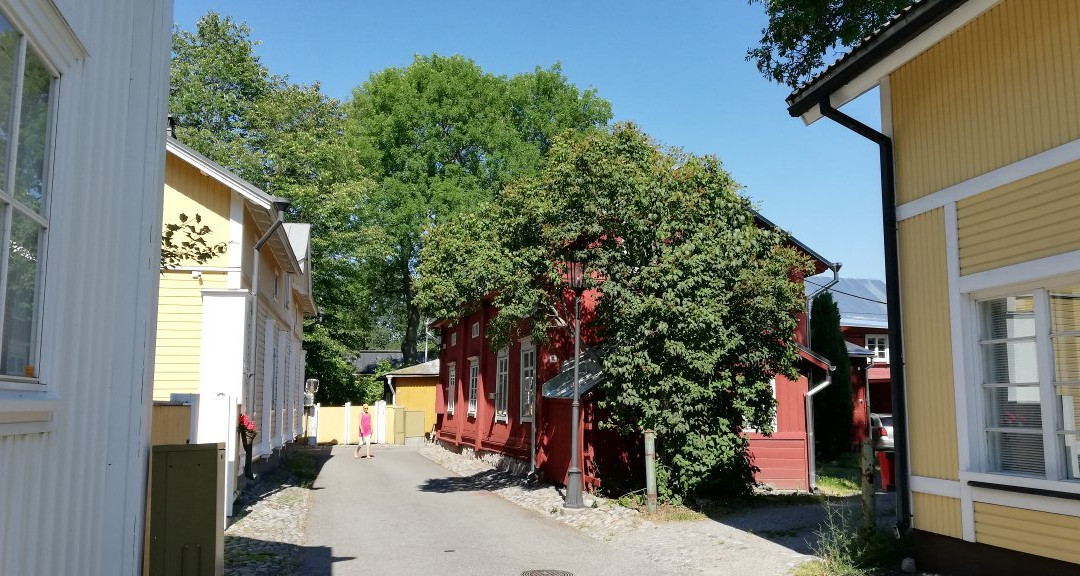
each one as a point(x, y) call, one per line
point(187, 191)
point(1030, 531)
point(937, 514)
point(418, 394)
point(924, 293)
point(998, 90)
point(1025, 220)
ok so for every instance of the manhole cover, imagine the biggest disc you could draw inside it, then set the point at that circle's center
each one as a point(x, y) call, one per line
point(547, 573)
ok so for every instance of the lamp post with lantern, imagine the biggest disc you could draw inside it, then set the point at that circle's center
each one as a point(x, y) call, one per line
point(576, 279)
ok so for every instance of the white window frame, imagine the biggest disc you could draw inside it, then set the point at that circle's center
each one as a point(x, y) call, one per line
point(453, 338)
point(451, 387)
point(475, 329)
point(884, 339)
point(474, 383)
point(1054, 455)
point(502, 385)
point(527, 382)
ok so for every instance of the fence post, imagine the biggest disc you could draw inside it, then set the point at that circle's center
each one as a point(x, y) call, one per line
point(866, 476)
point(650, 470)
point(348, 412)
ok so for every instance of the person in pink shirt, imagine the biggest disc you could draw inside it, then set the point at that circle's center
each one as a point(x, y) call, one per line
point(365, 434)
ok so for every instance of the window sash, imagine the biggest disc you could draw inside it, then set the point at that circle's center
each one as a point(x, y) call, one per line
point(474, 377)
point(451, 387)
point(502, 385)
point(528, 383)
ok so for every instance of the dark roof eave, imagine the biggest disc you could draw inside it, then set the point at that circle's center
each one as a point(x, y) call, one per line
point(884, 41)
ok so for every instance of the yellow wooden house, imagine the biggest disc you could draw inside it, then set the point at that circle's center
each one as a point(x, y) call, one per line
point(219, 349)
point(413, 388)
point(980, 147)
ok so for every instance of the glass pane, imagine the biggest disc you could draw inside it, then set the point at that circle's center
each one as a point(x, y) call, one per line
point(1065, 310)
point(1013, 407)
point(1010, 362)
point(33, 133)
point(9, 42)
point(1011, 317)
point(1066, 358)
point(1072, 456)
point(1017, 453)
point(17, 350)
point(1070, 406)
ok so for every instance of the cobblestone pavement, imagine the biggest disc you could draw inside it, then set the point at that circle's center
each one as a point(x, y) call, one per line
point(266, 536)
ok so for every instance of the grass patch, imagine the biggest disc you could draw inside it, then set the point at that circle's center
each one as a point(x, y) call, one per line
point(664, 512)
point(302, 467)
point(245, 556)
point(840, 476)
point(845, 549)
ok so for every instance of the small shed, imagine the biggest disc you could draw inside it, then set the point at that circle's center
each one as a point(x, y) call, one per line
point(413, 388)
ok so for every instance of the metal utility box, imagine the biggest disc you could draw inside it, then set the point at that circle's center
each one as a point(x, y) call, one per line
point(187, 504)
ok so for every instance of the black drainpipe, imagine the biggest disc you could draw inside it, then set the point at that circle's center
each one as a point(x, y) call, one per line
point(892, 292)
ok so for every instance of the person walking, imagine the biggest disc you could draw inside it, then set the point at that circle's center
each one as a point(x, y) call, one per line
point(365, 434)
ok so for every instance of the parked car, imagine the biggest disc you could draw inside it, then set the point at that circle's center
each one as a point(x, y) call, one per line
point(882, 430)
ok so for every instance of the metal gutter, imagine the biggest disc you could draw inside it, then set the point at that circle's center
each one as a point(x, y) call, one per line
point(892, 296)
point(811, 457)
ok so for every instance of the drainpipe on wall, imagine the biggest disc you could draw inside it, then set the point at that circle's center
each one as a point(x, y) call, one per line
point(253, 331)
point(892, 293)
point(809, 399)
point(810, 299)
point(393, 392)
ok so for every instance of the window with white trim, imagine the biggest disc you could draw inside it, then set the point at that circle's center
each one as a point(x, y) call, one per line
point(879, 345)
point(27, 100)
point(502, 384)
point(474, 379)
point(1029, 367)
point(528, 381)
point(475, 329)
point(453, 338)
point(451, 387)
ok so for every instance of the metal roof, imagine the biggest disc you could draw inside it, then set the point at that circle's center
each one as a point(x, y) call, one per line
point(430, 368)
point(857, 351)
point(366, 361)
point(862, 301)
point(590, 373)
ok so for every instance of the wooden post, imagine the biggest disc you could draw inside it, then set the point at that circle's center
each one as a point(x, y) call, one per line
point(650, 470)
point(869, 512)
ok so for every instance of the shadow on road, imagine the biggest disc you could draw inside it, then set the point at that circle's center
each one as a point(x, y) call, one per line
point(251, 556)
point(489, 480)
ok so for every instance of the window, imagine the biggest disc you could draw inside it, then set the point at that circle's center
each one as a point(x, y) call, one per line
point(1029, 357)
point(288, 290)
point(502, 384)
point(879, 345)
point(451, 387)
point(528, 381)
point(27, 88)
point(475, 329)
point(474, 377)
point(453, 338)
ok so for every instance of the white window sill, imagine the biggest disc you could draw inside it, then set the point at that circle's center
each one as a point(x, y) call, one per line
point(27, 412)
point(1070, 486)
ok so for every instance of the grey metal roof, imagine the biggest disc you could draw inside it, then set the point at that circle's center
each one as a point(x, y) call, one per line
point(854, 350)
point(861, 301)
point(590, 373)
point(430, 368)
point(366, 361)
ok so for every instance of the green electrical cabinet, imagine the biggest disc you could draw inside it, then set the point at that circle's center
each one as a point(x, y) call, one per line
point(187, 510)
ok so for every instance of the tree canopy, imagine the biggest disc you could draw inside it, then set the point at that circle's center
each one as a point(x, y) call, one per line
point(696, 302)
point(803, 36)
point(439, 136)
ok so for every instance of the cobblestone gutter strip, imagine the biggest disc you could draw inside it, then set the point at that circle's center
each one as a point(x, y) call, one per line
point(603, 520)
point(268, 537)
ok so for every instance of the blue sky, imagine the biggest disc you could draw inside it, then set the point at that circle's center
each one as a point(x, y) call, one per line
point(679, 72)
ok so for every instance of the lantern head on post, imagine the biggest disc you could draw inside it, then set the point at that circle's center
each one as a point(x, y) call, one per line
point(575, 276)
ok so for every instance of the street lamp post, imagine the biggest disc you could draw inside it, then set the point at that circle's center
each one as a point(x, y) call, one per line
point(576, 273)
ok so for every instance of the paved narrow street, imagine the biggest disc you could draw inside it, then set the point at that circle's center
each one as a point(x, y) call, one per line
point(401, 514)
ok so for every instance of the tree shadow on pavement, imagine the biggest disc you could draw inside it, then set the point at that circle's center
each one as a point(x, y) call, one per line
point(489, 480)
point(250, 556)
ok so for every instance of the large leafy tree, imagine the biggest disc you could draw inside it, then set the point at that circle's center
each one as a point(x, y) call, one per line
point(289, 140)
point(803, 36)
point(697, 301)
point(833, 406)
point(440, 136)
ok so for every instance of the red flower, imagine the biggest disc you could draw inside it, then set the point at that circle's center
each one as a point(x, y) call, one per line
point(245, 424)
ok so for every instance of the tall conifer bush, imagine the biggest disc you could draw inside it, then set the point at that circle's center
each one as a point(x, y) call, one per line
point(833, 409)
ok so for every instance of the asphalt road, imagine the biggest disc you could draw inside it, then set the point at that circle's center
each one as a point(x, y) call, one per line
point(401, 514)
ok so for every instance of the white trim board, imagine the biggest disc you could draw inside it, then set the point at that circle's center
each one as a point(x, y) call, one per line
point(1046, 504)
point(936, 486)
point(1030, 166)
point(1042, 269)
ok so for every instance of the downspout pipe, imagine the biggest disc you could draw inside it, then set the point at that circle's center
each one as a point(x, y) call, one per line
point(892, 293)
point(810, 440)
point(253, 329)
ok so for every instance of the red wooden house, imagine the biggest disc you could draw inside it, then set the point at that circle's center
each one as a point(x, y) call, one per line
point(490, 402)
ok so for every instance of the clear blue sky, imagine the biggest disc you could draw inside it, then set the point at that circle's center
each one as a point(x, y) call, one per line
point(678, 71)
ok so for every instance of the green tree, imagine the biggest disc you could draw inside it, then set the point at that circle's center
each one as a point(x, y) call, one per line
point(833, 407)
point(803, 36)
point(290, 141)
point(441, 136)
point(696, 303)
